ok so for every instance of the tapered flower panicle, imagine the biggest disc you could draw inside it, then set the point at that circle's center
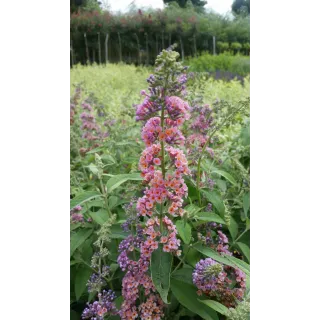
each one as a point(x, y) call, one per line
point(162, 167)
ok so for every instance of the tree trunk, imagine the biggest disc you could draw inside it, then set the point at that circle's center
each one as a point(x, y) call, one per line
point(138, 48)
point(87, 49)
point(157, 47)
point(120, 48)
point(93, 55)
point(162, 39)
point(169, 39)
point(99, 46)
point(147, 49)
point(182, 51)
point(214, 45)
point(194, 45)
point(106, 47)
point(72, 57)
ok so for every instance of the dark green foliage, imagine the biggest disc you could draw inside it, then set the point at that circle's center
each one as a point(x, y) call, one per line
point(241, 6)
point(183, 3)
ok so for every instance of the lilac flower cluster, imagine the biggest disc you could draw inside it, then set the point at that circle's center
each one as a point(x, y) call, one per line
point(202, 122)
point(135, 278)
point(132, 218)
point(210, 183)
point(223, 283)
point(96, 281)
point(91, 130)
point(74, 101)
point(202, 118)
point(98, 309)
point(214, 237)
point(75, 215)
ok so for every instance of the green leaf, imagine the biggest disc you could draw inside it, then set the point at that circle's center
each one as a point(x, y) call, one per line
point(192, 190)
point(216, 201)
point(100, 216)
point(93, 168)
point(192, 209)
point(244, 249)
point(119, 179)
point(81, 279)
point(84, 197)
point(78, 238)
point(233, 228)
point(192, 257)
point(222, 185)
point(184, 230)
point(246, 203)
point(184, 274)
point(74, 315)
point(108, 159)
point(224, 174)
point(95, 150)
point(113, 201)
point(91, 296)
point(248, 224)
point(87, 251)
point(118, 302)
point(239, 264)
point(160, 271)
point(209, 216)
point(227, 260)
point(216, 306)
point(117, 232)
point(125, 143)
point(188, 297)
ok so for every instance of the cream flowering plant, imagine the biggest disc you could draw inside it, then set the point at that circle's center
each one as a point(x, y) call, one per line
point(161, 249)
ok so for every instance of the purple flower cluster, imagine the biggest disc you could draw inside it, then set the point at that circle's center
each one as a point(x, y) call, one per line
point(223, 283)
point(202, 122)
point(210, 183)
point(92, 131)
point(147, 108)
point(73, 103)
point(96, 281)
point(75, 214)
point(214, 237)
point(202, 118)
point(99, 309)
point(135, 278)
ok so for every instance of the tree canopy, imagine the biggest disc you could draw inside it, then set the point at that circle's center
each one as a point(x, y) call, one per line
point(183, 3)
point(241, 6)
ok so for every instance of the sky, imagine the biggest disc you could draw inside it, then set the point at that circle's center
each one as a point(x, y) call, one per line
point(220, 6)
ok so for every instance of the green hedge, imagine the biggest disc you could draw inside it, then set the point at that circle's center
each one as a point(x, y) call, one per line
point(137, 37)
point(237, 64)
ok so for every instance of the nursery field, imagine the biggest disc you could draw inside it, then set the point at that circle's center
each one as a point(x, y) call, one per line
point(159, 193)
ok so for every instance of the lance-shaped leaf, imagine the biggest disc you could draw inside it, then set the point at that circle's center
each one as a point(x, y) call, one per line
point(187, 295)
point(184, 230)
point(84, 197)
point(216, 306)
point(160, 271)
point(116, 181)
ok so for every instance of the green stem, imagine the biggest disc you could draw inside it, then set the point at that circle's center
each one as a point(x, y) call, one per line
point(235, 241)
point(163, 168)
point(181, 261)
point(95, 270)
point(206, 144)
point(105, 197)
